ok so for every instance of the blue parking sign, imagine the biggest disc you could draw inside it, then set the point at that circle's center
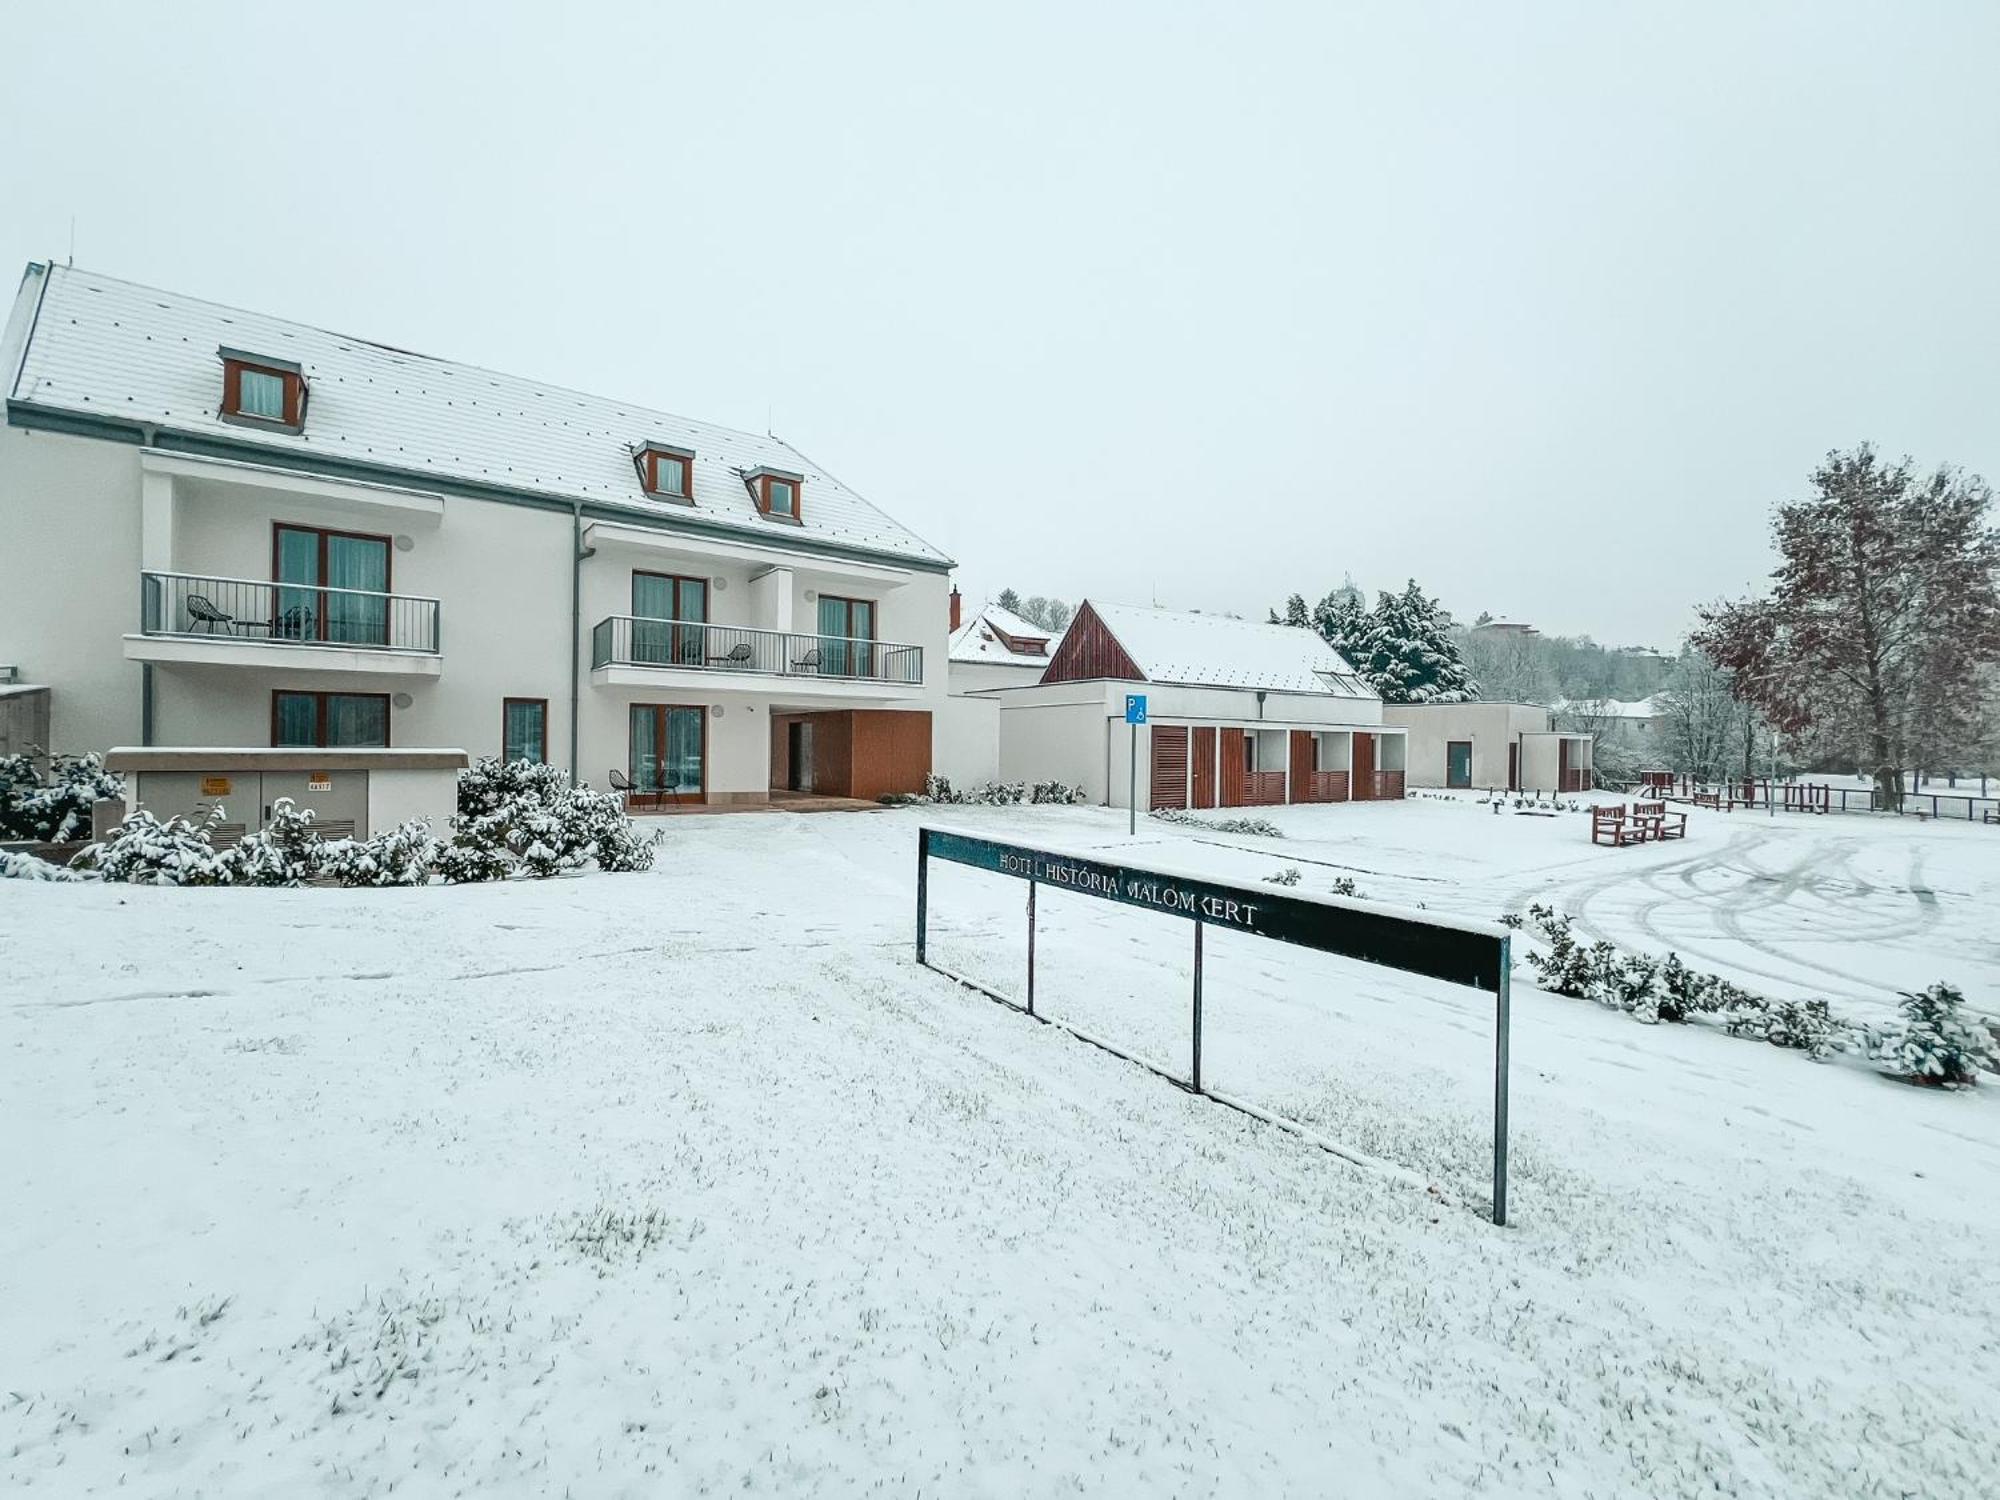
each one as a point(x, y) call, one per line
point(1135, 708)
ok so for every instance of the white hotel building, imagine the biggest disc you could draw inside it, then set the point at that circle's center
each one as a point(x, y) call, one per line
point(224, 529)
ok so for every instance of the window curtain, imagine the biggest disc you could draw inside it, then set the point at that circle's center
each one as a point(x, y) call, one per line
point(525, 737)
point(261, 395)
point(295, 719)
point(645, 747)
point(297, 616)
point(652, 599)
point(356, 719)
point(684, 749)
point(357, 563)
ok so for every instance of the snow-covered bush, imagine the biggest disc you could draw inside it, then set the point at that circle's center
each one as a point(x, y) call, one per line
point(1343, 885)
point(1262, 828)
point(1685, 993)
point(1057, 793)
point(1566, 968)
point(55, 807)
point(1934, 1043)
point(145, 851)
point(938, 789)
point(14, 866)
point(403, 855)
point(1807, 1026)
point(286, 851)
point(528, 816)
point(1287, 876)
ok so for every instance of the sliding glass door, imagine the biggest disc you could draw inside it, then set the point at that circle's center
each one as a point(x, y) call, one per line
point(844, 626)
point(669, 748)
point(314, 563)
point(661, 597)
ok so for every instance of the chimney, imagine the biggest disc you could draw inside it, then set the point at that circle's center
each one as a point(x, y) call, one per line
point(957, 605)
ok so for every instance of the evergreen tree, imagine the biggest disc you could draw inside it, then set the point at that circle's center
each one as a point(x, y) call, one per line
point(1407, 653)
point(1009, 601)
point(1296, 613)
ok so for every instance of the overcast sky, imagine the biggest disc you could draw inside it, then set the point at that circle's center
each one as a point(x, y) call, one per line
point(1542, 304)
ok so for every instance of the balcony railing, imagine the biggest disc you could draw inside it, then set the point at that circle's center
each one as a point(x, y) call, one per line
point(627, 641)
point(286, 614)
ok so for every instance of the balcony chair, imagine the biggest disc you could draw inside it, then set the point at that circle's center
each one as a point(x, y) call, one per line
point(736, 656)
point(204, 612)
point(295, 624)
point(623, 785)
point(807, 663)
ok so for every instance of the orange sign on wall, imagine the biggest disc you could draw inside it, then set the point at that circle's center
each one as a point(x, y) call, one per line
point(215, 786)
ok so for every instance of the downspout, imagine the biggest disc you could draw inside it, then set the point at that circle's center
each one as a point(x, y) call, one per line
point(577, 553)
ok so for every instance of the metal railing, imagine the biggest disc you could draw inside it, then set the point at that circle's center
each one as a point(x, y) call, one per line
point(285, 614)
point(631, 641)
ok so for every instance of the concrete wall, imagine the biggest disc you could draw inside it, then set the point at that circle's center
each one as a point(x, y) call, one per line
point(979, 676)
point(69, 581)
point(1491, 727)
point(967, 751)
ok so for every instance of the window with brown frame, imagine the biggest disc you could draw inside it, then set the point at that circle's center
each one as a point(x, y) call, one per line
point(260, 391)
point(524, 730)
point(777, 493)
point(329, 720)
point(666, 472)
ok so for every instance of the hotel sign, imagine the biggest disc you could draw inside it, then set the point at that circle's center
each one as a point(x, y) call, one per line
point(1457, 955)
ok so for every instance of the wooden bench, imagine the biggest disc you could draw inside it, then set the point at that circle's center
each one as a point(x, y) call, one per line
point(1710, 800)
point(1607, 824)
point(1991, 815)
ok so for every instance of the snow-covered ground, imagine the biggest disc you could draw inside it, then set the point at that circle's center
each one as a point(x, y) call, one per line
point(693, 1182)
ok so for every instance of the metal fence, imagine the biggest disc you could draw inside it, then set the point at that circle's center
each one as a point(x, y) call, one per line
point(1818, 797)
point(290, 614)
point(633, 641)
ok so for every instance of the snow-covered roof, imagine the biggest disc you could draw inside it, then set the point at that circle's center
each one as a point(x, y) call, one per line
point(20, 689)
point(979, 639)
point(109, 348)
point(1171, 645)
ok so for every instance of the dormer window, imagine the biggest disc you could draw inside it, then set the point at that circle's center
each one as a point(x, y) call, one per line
point(259, 391)
point(666, 472)
point(776, 492)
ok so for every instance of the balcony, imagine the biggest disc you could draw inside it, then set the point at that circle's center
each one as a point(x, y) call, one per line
point(185, 617)
point(626, 651)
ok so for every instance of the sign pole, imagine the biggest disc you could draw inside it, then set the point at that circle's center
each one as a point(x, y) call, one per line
point(923, 887)
point(1500, 1084)
point(1031, 947)
point(1195, 1074)
point(1135, 715)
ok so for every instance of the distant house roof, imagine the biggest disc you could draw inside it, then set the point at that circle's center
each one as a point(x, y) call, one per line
point(1180, 646)
point(1614, 708)
point(109, 349)
point(998, 637)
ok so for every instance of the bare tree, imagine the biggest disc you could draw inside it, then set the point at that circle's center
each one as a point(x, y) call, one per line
point(1882, 612)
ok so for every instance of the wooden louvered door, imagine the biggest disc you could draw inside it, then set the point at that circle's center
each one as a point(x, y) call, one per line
point(1364, 789)
point(1232, 745)
point(1170, 765)
point(1302, 766)
point(1204, 768)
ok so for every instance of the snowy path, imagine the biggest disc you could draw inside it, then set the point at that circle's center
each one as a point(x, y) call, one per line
point(693, 1182)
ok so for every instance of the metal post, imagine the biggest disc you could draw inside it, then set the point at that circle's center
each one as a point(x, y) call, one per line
point(1194, 1075)
point(1132, 795)
point(1500, 1083)
point(923, 888)
point(1031, 947)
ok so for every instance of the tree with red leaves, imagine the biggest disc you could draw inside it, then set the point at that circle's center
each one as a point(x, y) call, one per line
point(1883, 613)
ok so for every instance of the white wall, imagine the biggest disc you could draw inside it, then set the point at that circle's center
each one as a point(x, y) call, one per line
point(965, 743)
point(979, 676)
point(397, 796)
point(69, 581)
point(1491, 727)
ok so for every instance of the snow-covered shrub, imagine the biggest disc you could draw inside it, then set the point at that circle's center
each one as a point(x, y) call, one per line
point(1566, 968)
point(1807, 1026)
point(938, 788)
point(997, 794)
point(1934, 1043)
point(1623, 981)
point(403, 855)
point(1058, 793)
point(1262, 828)
point(1287, 876)
point(145, 851)
point(52, 808)
point(1343, 885)
point(286, 851)
point(15, 866)
point(528, 816)
point(1685, 993)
